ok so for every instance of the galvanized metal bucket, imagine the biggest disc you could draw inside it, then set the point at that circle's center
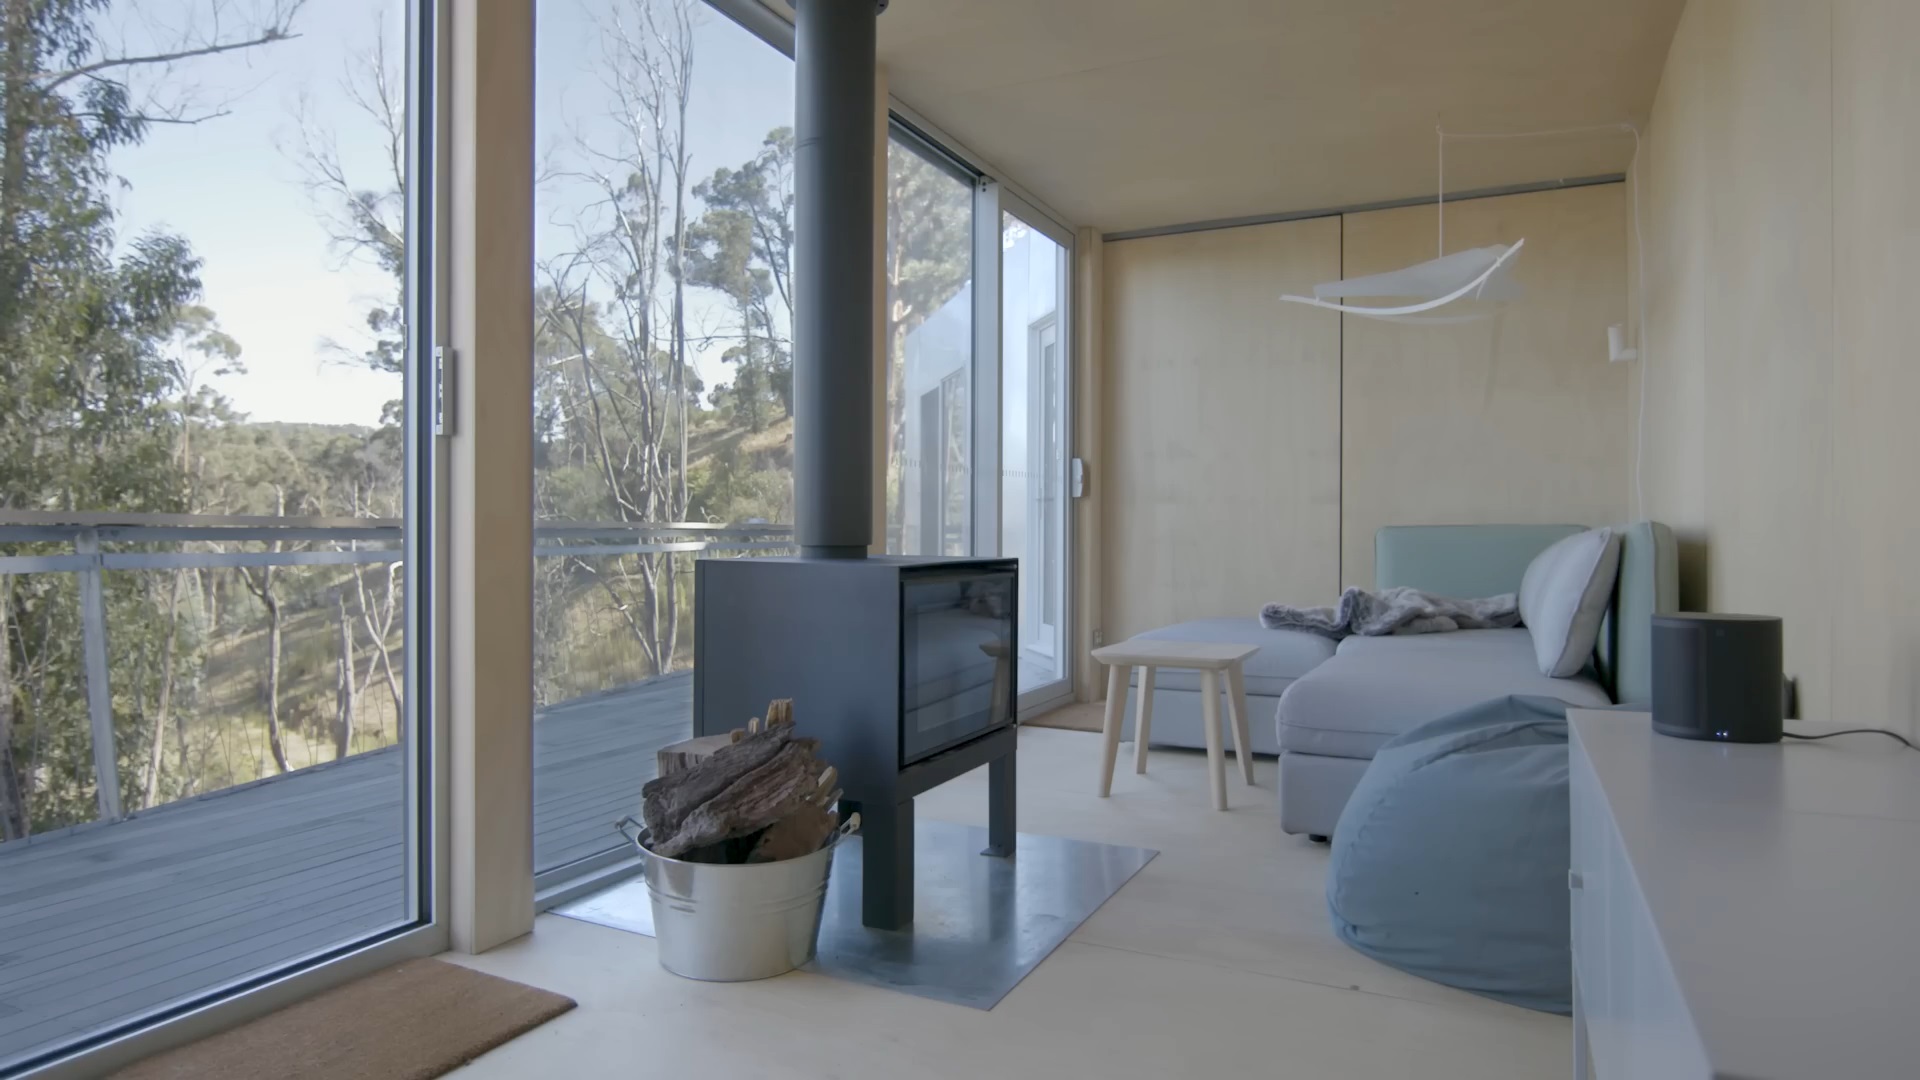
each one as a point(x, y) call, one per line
point(738, 922)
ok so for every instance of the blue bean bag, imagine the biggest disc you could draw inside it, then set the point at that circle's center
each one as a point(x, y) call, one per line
point(1450, 860)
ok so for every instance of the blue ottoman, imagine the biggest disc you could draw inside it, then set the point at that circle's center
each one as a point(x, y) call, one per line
point(1450, 861)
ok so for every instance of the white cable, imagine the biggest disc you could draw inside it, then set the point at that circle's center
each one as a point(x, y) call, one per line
point(1440, 197)
point(1640, 303)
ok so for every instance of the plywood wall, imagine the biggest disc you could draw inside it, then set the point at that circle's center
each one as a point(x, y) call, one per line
point(1515, 418)
point(1783, 259)
point(1250, 448)
point(1220, 475)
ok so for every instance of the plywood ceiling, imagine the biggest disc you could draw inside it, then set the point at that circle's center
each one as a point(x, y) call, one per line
point(1126, 114)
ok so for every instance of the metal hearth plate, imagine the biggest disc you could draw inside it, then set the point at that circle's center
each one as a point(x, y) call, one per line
point(980, 923)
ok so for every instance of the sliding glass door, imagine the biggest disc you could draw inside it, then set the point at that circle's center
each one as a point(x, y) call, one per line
point(978, 315)
point(1034, 440)
point(214, 289)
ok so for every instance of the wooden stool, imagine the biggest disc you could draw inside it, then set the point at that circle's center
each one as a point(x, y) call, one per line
point(1210, 661)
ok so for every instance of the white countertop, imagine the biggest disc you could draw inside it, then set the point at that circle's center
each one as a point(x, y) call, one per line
point(1784, 880)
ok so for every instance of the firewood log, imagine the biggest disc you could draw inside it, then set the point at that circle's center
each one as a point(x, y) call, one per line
point(783, 785)
point(667, 800)
point(799, 833)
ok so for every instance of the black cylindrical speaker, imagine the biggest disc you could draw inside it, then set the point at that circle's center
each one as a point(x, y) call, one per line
point(1717, 677)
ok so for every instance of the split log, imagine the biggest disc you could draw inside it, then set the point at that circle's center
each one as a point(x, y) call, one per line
point(683, 755)
point(781, 786)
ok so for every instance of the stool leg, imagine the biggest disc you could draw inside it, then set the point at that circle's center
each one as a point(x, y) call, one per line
point(1237, 706)
point(1110, 734)
point(1142, 720)
point(1210, 720)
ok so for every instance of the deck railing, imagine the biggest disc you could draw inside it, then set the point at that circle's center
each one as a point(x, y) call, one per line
point(97, 543)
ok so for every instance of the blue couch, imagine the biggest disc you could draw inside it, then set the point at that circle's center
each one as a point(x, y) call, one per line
point(1336, 705)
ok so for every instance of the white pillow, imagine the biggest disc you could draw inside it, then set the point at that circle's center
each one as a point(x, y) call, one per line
point(1564, 596)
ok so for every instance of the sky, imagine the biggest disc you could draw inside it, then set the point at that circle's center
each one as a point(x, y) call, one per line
point(232, 184)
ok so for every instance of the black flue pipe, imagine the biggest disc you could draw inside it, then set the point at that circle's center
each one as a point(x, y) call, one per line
point(833, 339)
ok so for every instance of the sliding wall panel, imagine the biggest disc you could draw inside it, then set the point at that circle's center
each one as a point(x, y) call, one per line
point(1781, 268)
point(214, 309)
point(1518, 417)
point(1876, 587)
point(1770, 428)
point(1034, 427)
point(1221, 425)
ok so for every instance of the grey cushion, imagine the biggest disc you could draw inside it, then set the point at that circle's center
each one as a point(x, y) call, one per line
point(1284, 655)
point(1564, 596)
point(1376, 688)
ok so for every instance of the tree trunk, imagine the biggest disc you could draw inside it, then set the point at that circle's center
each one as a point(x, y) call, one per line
point(15, 823)
point(378, 631)
point(273, 674)
point(180, 719)
point(672, 644)
point(343, 726)
point(650, 586)
point(393, 688)
point(679, 511)
point(156, 747)
point(264, 591)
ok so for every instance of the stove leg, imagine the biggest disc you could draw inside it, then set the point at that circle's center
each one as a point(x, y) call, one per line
point(1000, 806)
point(886, 865)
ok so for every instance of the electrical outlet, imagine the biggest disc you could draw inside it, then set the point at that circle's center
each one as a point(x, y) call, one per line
point(1099, 638)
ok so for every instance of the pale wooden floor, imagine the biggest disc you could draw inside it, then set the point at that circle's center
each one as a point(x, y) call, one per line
point(1079, 716)
point(102, 924)
point(1215, 961)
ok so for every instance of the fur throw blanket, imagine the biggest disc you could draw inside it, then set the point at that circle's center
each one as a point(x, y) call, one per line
point(1394, 611)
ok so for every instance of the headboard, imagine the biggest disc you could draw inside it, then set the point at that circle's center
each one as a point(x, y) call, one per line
point(1648, 585)
point(1486, 560)
point(1460, 560)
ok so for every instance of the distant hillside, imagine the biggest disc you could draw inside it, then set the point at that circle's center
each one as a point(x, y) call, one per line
point(295, 429)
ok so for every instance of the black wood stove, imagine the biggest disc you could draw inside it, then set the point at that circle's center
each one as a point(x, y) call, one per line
point(903, 668)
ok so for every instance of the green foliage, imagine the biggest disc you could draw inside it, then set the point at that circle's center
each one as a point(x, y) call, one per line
point(742, 247)
point(101, 345)
point(107, 356)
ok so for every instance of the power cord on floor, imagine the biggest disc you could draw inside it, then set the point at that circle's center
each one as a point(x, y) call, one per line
point(1904, 741)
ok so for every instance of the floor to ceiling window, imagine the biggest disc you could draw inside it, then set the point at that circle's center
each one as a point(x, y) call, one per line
point(663, 396)
point(929, 328)
point(209, 754)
